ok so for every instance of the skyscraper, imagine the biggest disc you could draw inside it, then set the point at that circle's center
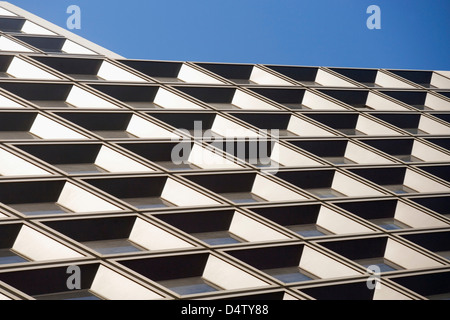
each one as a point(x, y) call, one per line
point(168, 180)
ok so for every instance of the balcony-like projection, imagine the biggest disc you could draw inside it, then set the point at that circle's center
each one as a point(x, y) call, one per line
point(364, 100)
point(124, 125)
point(298, 99)
point(266, 154)
point(194, 273)
point(17, 67)
point(439, 204)
point(408, 150)
point(51, 197)
point(223, 98)
point(401, 180)
point(372, 77)
point(152, 192)
point(147, 97)
point(437, 242)
point(341, 152)
point(427, 79)
point(222, 228)
point(20, 243)
point(119, 235)
point(86, 158)
point(443, 116)
point(99, 282)
point(414, 123)
point(391, 214)
point(89, 69)
point(380, 253)
point(32, 126)
point(171, 71)
point(442, 172)
point(432, 286)
point(47, 43)
point(293, 264)
point(313, 220)
point(420, 100)
point(12, 164)
point(352, 124)
point(355, 290)
point(311, 76)
point(246, 188)
point(21, 25)
point(52, 95)
point(443, 143)
point(328, 183)
point(244, 74)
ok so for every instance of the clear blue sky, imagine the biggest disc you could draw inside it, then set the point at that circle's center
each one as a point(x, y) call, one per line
point(414, 34)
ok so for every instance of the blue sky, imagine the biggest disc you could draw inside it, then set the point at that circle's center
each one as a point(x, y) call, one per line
point(414, 34)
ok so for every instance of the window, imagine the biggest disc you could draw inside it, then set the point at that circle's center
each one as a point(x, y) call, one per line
point(309, 230)
point(148, 202)
point(36, 209)
point(384, 264)
point(115, 246)
point(217, 237)
point(7, 256)
point(389, 223)
point(289, 274)
point(326, 193)
point(69, 295)
point(190, 285)
point(242, 197)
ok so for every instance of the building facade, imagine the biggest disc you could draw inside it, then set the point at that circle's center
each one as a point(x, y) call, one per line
point(170, 180)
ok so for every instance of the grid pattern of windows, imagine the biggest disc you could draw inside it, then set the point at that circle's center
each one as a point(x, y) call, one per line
point(181, 180)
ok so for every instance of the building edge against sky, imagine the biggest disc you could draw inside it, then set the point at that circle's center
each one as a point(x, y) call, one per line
point(350, 176)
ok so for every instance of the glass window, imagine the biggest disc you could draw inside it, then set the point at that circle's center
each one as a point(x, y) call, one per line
point(189, 285)
point(389, 224)
point(290, 274)
point(383, 264)
point(217, 237)
point(148, 203)
point(7, 256)
point(69, 295)
point(80, 168)
point(242, 197)
point(115, 246)
point(34, 209)
point(326, 193)
point(399, 188)
point(309, 230)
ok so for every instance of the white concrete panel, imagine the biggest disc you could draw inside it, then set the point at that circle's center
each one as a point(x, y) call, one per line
point(260, 76)
point(426, 153)
point(444, 73)
point(303, 128)
point(339, 224)
point(432, 127)
point(272, 191)
point(251, 230)
point(228, 276)
point(10, 45)
point(351, 187)
point(181, 195)
point(74, 48)
point(4, 298)
point(113, 286)
point(379, 103)
point(371, 127)
point(436, 103)
point(38, 247)
point(3, 216)
point(407, 257)
point(45, 128)
point(439, 81)
point(387, 81)
point(363, 156)
point(32, 28)
point(9, 104)
point(327, 79)
point(230, 129)
point(113, 161)
point(169, 100)
point(416, 218)
point(288, 157)
point(146, 129)
point(422, 184)
point(316, 102)
point(323, 266)
point(81, 98)
point(207, 159)
point(11, 165)
point(110, 72)
point(22, 69)
point(79, 200)
point(191, 75)
point(248, 102)
point(384, 292)
point(4, 12)
point(151, 237)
